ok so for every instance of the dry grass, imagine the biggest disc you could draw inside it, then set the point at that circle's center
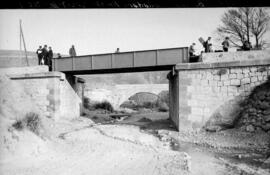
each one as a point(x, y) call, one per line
point(31, 121)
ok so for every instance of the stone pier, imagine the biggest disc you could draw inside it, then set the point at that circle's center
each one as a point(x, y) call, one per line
point(197, 90)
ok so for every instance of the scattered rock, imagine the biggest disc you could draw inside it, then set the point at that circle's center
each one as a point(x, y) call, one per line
point(255, 111)
point(266, 127)
point(145, 120)
point(250, 128)
point(266, 112)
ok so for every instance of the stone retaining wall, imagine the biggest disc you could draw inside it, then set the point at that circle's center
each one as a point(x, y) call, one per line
point(235, 56)
point(205, 87)
point(50, 91)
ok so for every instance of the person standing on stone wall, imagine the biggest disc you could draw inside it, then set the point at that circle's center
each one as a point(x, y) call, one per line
point(72, 51)
point(192, 49)
point(49, 60)
point(39, 54)
point(226, 44)
point(207, 45)
point(44, 55)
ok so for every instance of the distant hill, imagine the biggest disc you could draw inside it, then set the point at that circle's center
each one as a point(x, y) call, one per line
point(16, 58)
point(15, 53)
point(18, 53)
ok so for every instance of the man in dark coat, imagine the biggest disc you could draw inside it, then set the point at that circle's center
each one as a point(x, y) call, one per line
point(72, 51)
point(39, 54)
point(44, 54)
point(226, 44)
point(207, 45)
point(49, 58)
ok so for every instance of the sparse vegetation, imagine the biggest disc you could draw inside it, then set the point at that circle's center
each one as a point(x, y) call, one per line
point(31, 121)
point(18, 125)
point(104, 105)
point(87, 103)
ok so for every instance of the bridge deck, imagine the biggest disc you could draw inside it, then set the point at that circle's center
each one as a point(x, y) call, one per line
point(147, 60)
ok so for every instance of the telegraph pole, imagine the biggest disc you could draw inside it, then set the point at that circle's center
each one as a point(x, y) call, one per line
point(22, 37)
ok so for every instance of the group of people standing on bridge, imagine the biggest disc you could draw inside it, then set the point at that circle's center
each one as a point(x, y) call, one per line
point(45, 56)
point(208, 47)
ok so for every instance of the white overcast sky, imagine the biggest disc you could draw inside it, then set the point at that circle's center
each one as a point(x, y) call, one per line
point(103, 30)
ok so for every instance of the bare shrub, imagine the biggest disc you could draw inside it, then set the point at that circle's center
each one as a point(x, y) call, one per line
point(18, 125)
point(104, 105)
point(86, 102)
point(31, 121)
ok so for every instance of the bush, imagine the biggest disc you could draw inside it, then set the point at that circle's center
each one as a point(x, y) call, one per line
point(31, 121)
point(104, 105)
point(86, 102)
point(19, 125)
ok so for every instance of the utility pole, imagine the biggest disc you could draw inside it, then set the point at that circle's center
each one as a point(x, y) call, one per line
point(22, 37)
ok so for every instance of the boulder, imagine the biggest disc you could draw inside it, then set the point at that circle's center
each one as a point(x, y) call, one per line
point(142, 98)
point(266, 127)
point(266, 118)
point(250, 128)
point(224, 117)
point(129, 104)
point(164, 97)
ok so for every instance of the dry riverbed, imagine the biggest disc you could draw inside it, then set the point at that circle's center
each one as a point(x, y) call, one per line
point(225, 152)
point(136, 144)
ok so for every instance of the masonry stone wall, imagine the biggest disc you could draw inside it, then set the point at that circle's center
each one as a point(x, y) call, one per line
point(71, 102)
point(235, 56)
point(50, 91)
point(204, 87)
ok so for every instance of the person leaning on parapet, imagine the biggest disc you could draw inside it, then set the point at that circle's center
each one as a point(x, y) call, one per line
point(246, 45)
point(72, 51)
point(49, 59)
point(44, 55)
point(207, 45)
point(39, 54)
point(226, 44)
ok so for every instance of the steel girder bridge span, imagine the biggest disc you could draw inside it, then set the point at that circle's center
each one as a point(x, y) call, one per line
point(135, 61)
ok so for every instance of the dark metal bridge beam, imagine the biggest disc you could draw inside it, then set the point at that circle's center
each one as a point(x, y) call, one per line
point(137, 61)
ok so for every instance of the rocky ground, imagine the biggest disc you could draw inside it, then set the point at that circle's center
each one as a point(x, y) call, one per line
point(232, 151)
point(83, 147)
point(138, 144)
